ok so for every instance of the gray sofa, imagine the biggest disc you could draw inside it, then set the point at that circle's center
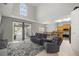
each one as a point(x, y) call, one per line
point(53, 46)
point(39, 38)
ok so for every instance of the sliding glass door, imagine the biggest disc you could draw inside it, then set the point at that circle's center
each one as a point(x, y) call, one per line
point(21, 31)
point(27, 29)
point(17, 31)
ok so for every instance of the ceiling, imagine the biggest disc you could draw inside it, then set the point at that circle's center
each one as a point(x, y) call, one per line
point(34, 4)
point(42, 4)
point(52, 11)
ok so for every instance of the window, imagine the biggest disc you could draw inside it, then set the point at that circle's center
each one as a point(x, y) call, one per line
point(23, 9)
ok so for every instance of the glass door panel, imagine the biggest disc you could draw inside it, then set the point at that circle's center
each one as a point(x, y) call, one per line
point(27, 30)
point(17, 32)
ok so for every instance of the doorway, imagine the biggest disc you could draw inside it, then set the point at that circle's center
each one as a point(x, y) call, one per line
point(21, 31)
point(17, 31)
point(27, 29)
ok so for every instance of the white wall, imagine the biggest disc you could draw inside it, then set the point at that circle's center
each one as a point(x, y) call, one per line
point(75, 30)
point(6, 28)
point(0, 18)
point(6, 9)
point(0, 25)
point(0, 8)
point(0, 13)
point(12, 9)
point(31, 12)
point(51, 27)
point(35, 27)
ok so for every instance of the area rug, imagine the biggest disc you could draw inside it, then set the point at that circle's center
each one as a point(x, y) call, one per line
point(24, 48)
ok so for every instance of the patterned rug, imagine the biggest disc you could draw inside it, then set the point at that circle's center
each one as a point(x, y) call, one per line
point(24, 48)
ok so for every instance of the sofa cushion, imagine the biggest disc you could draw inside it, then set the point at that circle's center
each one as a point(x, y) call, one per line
point(57, 40)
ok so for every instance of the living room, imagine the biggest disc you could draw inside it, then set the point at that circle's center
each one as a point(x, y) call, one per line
point(38, 29)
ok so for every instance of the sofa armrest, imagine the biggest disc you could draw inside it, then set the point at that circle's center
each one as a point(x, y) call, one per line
point(51, 47)
point(48, 44)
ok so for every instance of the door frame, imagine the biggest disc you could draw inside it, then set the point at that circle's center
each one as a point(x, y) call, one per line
point(23, 29)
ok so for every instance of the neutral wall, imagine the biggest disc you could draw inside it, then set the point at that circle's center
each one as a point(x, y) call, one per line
point(51, 27)
point(31, 12)
point(7, 9)
point(6, 28)
point(0, 25)
point(53, 11)
point(75, 30)
point(35, 27)
point(12, 9)
point(0, 18)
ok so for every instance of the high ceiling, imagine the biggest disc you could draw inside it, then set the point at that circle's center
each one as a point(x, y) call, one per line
point(34, 4)
point(52, 11)
point(42, 4)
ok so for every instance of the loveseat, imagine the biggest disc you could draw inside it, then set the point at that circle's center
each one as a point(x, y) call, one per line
point(38, 38)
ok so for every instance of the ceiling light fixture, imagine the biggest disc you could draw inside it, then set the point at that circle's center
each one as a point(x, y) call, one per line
point(64, 20)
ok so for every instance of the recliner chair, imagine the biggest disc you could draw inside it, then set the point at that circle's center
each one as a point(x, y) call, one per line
point(53, 46)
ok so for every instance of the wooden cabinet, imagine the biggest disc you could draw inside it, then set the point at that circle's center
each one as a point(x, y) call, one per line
point(64, 26)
